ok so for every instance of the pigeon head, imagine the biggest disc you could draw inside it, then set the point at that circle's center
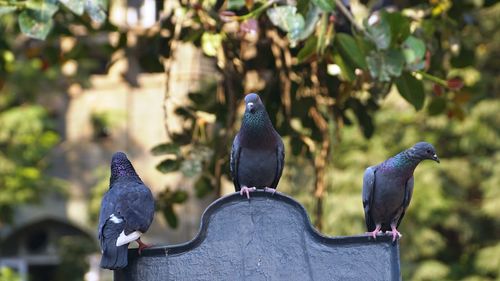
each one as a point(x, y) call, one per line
point(253, 104)
point(424, 150)
point(121, 167)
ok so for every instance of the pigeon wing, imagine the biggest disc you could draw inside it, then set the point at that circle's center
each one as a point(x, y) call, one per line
point(407, 198)
point(234, 161)
point(137, 208)
point(368, 191)
point(280, 157)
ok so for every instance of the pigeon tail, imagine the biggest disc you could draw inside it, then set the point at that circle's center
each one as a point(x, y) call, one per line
point(114, 257)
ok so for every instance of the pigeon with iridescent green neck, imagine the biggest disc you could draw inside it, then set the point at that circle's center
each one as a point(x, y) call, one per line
point(388, 187)
point(258, 153)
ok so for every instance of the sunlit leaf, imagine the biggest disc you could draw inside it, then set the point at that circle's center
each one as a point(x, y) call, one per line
point(76, 6)
point(414, 52)
point(6, 9)
point(384, 65)
point(411, 89)
point(44, 8)
point(34, 25)
point(379, 30)
point(325, 5)
point(350, 49)
point(210, 43)
point(286, 18)
point(168, 165)
point(312, 18)
point(96, 9)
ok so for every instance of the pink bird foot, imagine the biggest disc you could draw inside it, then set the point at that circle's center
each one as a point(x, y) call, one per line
point(395, 233)
point(142, 245)
point(246, 190)
point(374, 232)
point(268, 189)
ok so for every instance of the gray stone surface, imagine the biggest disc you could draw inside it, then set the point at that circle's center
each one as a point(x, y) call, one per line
point(267, 238)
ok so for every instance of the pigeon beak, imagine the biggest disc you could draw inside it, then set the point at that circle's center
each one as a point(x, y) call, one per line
point(435, 158)
point(250, 107)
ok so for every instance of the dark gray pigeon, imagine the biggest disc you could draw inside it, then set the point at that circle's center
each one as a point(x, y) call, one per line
point(127, 210)
point(258, 153)
point(388, 187)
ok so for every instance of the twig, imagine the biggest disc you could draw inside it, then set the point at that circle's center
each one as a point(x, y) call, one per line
point(348, 14)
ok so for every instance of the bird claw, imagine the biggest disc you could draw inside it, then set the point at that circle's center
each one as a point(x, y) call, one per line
point(269, 189)
point(374, 232)
point(246, 190)
point(142, 246)
point(395, 234)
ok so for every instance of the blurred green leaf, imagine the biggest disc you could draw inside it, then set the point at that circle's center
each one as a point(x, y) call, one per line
point(379, 30)
point(414, 52)
point(312, 18)
point(308, 50)
point(179, 196)
point(235, 4)
point(203, 186)
point(349, 48)
point(34, 24)
point(325, 5)
point(384, 65)
point(347, 69)
point(170, 216)
point(76, 6)
point(166, 148)
point(411, 89)
point(168, 165)
point(399, 25)
point(436, 106)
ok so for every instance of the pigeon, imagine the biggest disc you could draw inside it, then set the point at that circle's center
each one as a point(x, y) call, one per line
point(258, 153)
point(127, 210)
point(388, 187)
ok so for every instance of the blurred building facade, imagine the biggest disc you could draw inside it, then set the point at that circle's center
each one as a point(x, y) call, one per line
point(123, 110)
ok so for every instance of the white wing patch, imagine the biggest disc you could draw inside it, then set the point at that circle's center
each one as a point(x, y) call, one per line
point(115, 219)
point(125, 239)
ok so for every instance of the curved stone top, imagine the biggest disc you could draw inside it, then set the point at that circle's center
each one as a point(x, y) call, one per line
point(268, 237)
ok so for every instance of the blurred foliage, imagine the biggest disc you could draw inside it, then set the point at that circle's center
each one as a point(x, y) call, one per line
point(36, 17)
point(7, 274)
point(26, 138)
point(320, 68)
point(451, 231)
point(34, 75)
point(74, 252)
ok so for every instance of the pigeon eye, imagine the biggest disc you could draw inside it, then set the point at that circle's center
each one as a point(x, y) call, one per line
point(428, 151)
